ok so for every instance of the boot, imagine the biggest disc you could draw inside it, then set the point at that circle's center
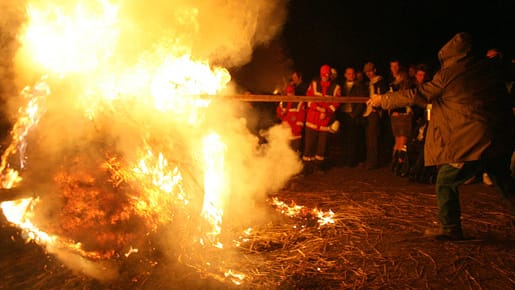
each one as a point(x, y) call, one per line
point(395, 158)
point(403, 168)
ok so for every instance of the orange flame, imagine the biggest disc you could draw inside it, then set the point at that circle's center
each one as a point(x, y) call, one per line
point(215, 185)
point(19, 212)
point(324, 217)
point(29, 117)
point(81, 40)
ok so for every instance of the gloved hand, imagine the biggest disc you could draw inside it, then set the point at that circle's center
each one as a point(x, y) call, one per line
point(374, 101)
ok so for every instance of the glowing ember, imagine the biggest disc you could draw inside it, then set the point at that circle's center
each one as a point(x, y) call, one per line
point(299, 211)
point(131, 251)
point(235, 277)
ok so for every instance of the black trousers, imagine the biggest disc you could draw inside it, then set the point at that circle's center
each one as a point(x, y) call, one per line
point(315, 144)
point(372, 137)
point(353, 140)
point(451, 176)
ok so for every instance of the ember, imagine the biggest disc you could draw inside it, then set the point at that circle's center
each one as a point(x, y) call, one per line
point(303, 213)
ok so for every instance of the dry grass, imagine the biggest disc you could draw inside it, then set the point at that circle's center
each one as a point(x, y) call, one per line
point(375, 241)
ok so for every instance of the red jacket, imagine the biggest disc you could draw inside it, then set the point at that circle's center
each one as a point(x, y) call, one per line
point(294, 114)
point(320, 114)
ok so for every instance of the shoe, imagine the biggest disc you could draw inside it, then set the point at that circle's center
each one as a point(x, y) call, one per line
point(440, 234)
point(487, 180)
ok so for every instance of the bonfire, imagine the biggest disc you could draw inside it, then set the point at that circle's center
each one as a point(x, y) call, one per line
point(122, 151)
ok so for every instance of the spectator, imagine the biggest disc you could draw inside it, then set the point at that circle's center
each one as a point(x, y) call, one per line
point(399, 78)
point(319, 116)
point(373, 116)
point(334, 75)
point(292, 115)
point(401, 120)
point(360, 76)
point(350, 116)
point(472, 127)
point(422, 74)
point(417, 171)
point(300, 86)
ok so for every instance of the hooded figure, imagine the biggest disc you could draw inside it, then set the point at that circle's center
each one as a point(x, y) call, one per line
point(471, 115)
point(471, 127)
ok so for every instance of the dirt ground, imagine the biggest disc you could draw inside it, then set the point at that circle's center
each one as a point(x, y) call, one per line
point(377, 242)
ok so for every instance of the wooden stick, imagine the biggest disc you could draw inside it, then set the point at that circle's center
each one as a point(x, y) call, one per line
point(278, 98)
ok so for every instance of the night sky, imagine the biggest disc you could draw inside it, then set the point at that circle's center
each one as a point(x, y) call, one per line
point(344, 33)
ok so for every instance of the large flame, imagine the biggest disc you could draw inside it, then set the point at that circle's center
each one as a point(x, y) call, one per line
point(124, 124)
point(80, 40)
point(78, 37)
point(215, 184)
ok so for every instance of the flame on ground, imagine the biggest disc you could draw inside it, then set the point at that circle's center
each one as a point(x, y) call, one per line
point(300, 211)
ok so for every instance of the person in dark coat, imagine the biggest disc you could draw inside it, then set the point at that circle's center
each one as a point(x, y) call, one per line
point(472, 127)
point(376, 120)
point(350, 116)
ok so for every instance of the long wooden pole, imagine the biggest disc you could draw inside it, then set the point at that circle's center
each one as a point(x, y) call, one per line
point(278, 98)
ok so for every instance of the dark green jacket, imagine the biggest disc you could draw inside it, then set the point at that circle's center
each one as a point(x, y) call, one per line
point(471, 116)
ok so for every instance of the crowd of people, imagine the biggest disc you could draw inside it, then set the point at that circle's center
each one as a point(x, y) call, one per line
point(352, 134)
point(460, 121)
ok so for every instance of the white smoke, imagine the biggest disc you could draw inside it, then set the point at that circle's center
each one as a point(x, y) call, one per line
point(225, 32)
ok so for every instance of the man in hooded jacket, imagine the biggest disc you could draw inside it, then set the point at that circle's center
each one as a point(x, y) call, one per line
point(471, 127)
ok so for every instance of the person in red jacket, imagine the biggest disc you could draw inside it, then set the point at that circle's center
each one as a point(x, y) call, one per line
point(292, 115)
point(318, 119)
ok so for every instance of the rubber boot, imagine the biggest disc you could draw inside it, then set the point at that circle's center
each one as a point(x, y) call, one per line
point(402, 159)
point(395, 162)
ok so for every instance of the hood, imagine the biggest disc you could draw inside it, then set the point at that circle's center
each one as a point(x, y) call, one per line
point(456, 49)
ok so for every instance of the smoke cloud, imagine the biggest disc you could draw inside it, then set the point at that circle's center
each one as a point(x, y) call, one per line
point(225, 32)
point(10, 21)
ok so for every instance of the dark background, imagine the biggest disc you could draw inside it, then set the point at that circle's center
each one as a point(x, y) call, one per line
point(342, 33)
